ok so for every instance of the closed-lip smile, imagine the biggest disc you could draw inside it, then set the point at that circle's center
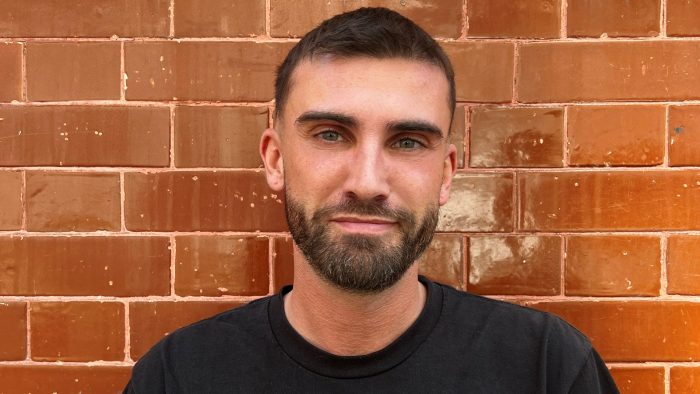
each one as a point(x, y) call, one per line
point(358, 224)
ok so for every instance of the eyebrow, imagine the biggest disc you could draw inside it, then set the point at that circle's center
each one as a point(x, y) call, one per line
point(314, 116)
point(351, 122)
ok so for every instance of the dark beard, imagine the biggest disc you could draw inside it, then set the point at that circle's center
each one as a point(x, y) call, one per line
point(354, 262)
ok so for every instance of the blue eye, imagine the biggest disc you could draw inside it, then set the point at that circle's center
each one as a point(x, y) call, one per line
point(407, 143)
point(330, 135)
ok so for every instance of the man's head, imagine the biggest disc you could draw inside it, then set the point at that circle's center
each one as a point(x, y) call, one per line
point(364, 157)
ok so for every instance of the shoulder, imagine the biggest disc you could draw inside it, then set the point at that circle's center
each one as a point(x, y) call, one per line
point(201, 345)
point(508, 323)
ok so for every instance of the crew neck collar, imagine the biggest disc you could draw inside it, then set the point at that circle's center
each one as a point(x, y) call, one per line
point(327, 364)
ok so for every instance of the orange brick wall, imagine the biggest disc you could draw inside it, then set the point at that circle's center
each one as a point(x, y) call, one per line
point(131, 200)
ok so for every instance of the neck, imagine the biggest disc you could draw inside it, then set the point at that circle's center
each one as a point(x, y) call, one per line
point(351, 324)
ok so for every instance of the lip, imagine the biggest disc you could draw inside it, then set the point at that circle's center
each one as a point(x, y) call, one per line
point(364, 224)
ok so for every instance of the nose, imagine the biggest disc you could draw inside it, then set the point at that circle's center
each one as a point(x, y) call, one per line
point(368, 174)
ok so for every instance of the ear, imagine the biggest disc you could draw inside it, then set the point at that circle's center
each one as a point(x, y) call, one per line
point(448, 171)
point(271, 155)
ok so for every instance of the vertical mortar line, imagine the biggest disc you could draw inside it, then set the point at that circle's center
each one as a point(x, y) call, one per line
point(667, 136)
point(23, 60)
point(466, 144)
point(465, 260)
point(562, 277)
point(465, 21)
point(171, 16)
point(565, 137)
point(172, 135)
point(516, 65)
point(23, 201)
point(268, 16)
point(563, 15)
point(29, 331)
point(663, 289)
point(122, 84)
point(516, 202)
point(122, 199)
point(270, 264)
point(127, 333)
point(173, 256)
point(662, 18)
point(667, 379)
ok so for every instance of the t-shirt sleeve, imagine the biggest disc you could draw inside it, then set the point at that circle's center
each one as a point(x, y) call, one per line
point(594, 377)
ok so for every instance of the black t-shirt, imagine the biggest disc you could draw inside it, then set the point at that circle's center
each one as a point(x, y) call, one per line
point(459, 343)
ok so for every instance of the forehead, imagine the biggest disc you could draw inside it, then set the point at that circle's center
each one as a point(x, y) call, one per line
point(369, 88)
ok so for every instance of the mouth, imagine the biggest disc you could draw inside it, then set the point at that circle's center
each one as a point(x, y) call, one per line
point(368, 225)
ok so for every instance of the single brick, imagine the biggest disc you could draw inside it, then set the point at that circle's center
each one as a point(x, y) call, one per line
point(202, 201)
point(77, 135)
point(684, 380)
point(10, 69)
point(10, 200)
point(106, 266)
point(683, 17)
point(608, 70)
point(613, 18)
point(443, 261)
point(683, 264)
point(635, 380)
point(684, 130)
point(219, 136)
point(479, 202)
point(98, 18)
point(219, 18)
point(209, 265)
point(513, 18)
point(73, 71)
point(528, 265)
point(283, 261)
point(458, 133)
point(218, 71)
point(516, 137)
point(483, 70)
point(63, 378)
point(77, 331)
point(151, 321)
point(590, 201)
point(616, 135)
point(440, 18)
point(13, 341)
point(613, 266)
point(72, 201)
point(635, 330)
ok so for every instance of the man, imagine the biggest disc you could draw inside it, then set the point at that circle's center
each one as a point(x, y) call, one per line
point(364, 103)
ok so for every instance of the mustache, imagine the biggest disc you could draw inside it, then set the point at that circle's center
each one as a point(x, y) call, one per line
point(366, 208)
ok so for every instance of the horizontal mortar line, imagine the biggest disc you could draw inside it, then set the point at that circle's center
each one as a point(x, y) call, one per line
point(32, 363)
point(285, 234)
point(642, 364)
point(137, 103)
point(558, 105)
point(527, 40)
point(138, 170)
point(118, 299)
point(508, 170)
point(28, 234)
point(252, 39)
point(596, 299)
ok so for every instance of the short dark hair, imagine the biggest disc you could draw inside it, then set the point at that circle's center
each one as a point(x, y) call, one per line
point(366, 32)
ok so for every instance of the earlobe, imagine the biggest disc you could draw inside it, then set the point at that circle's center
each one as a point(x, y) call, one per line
point(271, 155)
point(448, 171)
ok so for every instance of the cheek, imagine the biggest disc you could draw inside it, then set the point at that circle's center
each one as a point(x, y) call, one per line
point(313, 176)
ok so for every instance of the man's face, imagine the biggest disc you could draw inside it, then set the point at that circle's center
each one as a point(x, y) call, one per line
point(365, 162)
